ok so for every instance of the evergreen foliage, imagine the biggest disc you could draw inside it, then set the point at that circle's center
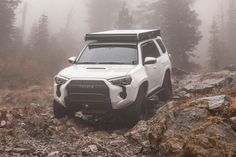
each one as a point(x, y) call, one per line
point(180, 26)
point(7, 28)
point(125, 19)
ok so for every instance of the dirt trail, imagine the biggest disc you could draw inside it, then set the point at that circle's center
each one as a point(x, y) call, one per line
point(28, 127)
point(31, 129)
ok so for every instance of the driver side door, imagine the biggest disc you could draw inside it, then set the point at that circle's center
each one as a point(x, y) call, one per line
point(149, 49)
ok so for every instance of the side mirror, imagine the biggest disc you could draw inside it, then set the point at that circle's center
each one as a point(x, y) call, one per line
point(150, 60)
point(72, 60)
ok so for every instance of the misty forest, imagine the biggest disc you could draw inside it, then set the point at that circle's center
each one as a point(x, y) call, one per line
point(41, 52)
point(37, 38)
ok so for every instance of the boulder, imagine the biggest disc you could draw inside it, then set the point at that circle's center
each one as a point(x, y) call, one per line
point(3, 124)
point(93, 148)
point(215, 102)
point(216, 139)
point(21, 150)
point(181, 95)
point(185, 129)
point(170, 133)
point(206, 84)
point(178, 72)
point(139, 133)
point(34, 88)
point(115, 142)
point(233, 119)
point(231, 67)
point(53, 153)
point(198, 88)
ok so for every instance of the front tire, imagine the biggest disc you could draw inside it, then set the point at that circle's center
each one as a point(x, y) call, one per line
point(135, 111)
point(58, 110)
point(167, 90)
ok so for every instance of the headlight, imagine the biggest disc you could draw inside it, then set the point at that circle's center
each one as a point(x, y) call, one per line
point(121, 81)
point(60, 80)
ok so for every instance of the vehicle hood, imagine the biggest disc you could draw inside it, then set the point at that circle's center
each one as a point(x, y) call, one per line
point(96, 71)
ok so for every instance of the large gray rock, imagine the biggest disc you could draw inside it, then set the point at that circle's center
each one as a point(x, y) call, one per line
point(178, 72)
point(231, 67)
point(170, 133)
point(139, 133)
point(186, 129)
point(216, 139)
point(215, 102)
point(198, 88)
point(34, 88)
point(3, 124)
point(205, 83)
point(233, 119)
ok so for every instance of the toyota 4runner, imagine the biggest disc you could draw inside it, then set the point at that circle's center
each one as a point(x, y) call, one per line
point(117, 71)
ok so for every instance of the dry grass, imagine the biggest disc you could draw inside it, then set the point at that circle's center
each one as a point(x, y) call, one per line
point(15, 74)
point(24, 97)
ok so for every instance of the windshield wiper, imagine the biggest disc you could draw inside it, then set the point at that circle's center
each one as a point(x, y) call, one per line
point(113, 63)
point(87, 63)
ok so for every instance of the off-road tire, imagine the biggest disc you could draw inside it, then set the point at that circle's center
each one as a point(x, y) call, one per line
point(137, 110)
point(71, 112)
point(167, 90)
point(58, 110)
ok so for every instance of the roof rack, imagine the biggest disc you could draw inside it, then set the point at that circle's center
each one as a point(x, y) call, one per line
point(123, 35)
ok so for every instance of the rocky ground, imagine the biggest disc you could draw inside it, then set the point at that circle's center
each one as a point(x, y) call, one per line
point(200, 120)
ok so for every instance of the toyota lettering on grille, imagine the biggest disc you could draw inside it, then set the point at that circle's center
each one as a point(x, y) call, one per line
point(86, 86)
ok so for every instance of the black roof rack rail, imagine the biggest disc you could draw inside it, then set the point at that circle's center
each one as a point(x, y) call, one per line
point(123, 36)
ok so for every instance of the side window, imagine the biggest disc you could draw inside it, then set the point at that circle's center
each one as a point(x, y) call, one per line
point(162, 46)
point(150, 49)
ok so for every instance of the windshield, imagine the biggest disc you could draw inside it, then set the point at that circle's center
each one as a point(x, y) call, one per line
point(109, 54)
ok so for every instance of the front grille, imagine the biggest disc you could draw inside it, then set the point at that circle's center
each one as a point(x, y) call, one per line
point(88, 94)
point(88, 82)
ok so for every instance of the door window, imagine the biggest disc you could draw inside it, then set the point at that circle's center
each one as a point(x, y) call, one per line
point(162, 46)
point(150, 49)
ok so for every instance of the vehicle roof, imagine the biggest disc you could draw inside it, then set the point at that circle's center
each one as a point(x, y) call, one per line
point(135, 32)
point(112, 43)
point(123, 35)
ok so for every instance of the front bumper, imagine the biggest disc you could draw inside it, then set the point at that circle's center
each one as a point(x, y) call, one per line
point(99, 94)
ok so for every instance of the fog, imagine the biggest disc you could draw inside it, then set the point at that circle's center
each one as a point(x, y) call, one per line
point(58, 12)
point(206, 10)
point(57, 99)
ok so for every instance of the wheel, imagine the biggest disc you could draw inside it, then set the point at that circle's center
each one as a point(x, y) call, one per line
point(58, 110)
point(167, 90)
point(71, 112)
point(137, 110)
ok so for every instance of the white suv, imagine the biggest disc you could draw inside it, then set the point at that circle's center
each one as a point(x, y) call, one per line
point(117, 71)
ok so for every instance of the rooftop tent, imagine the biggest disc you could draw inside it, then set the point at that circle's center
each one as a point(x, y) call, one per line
point(123, 35)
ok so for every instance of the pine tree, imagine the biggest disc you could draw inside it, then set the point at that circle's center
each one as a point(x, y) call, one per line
point(7, 17)
point(231, 25)
point(43, 35)
point(102, 14)
point(18, 42)
point(179, 24)
point(125, 19)
point(33, 37)
point(214, 48)
point(39, 39)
